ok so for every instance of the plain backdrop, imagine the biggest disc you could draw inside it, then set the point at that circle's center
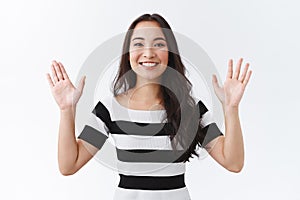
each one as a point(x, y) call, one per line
point(263, 32)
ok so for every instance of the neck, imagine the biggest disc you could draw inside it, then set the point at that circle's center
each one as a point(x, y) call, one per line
point(146, 91)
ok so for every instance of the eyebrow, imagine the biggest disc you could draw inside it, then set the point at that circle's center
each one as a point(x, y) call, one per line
point(141, 38)
point(159, 38)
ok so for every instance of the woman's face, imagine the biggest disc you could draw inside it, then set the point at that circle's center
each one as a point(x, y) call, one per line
point(148, 51)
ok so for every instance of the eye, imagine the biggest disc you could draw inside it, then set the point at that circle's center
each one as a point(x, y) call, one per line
point(138, 44)
point(159, 45)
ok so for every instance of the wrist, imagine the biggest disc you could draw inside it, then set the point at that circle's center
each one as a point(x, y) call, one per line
point(230, 108)
point(69, 109)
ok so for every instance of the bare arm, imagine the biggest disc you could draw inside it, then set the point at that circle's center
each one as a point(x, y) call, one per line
point(228, 150)
point(72, 153)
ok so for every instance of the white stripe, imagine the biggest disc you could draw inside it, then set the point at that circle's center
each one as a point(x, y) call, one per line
point(207, 119)
point(130, 194)
point(98, 124)
point(143, 142)
point(150, 169)
point(141, 116)
point(119, 112)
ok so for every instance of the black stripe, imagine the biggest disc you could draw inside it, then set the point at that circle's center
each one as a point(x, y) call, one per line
point(102, 113)
point(210, 132)
point(92, 136)
point(144, 129)
point(202, 108)
point(140, 155)
point(151, 182)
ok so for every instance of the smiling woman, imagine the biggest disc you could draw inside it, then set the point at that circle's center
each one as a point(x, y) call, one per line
point(154, 136)
point(148, 52)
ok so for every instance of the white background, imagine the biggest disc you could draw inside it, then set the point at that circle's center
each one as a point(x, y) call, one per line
point(264, 32)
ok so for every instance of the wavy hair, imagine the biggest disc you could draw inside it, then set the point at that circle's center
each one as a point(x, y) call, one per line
point(182, 112)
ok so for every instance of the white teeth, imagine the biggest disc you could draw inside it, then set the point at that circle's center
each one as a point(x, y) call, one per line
point(147, 64)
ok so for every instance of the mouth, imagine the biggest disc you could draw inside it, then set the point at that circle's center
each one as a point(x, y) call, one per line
point(149, 64)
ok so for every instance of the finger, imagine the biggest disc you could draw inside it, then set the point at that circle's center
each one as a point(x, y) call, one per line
point(229, 72)
point(64, 73)
point(215, 82)
point(244, 72)
point(245, 82)
point(54, 74)
point(49, 80)
point(58, 71)
point(238, 69)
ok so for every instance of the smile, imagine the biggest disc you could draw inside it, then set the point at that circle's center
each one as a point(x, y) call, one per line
point(149, 64)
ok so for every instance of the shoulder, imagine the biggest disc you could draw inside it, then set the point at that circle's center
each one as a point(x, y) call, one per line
point(103, 107)
point(110, 107)
point(200, 106)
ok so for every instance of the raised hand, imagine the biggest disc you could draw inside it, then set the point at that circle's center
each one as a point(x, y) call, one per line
point(63, 91)
point(231, 93)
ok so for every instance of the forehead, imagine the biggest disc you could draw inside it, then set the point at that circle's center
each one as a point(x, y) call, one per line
point(147, 30)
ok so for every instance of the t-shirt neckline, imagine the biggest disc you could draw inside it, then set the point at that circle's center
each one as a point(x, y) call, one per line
point(133, 110)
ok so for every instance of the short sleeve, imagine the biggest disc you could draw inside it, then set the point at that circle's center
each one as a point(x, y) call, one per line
point(210, 129)
point(96, 130)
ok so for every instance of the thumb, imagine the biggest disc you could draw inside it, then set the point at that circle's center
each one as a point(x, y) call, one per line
point(215, 82)
point(81, 84)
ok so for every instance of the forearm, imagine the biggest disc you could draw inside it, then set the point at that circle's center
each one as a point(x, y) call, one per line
point(67, 144)
point(233, 142)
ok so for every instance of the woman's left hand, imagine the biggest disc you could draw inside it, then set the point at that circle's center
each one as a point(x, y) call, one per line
point(231, 93)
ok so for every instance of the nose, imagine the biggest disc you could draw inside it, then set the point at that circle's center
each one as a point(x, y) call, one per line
point(148, 52)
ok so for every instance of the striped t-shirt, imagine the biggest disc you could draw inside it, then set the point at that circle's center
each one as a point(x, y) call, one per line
point(147, 164)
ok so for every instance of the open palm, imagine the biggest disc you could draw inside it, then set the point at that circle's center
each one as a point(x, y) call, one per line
point(63, 91)
point(231, 93)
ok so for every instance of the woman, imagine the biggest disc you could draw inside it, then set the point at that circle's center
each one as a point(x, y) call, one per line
point(152, 151)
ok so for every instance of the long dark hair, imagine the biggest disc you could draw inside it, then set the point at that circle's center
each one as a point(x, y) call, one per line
point(182, 112)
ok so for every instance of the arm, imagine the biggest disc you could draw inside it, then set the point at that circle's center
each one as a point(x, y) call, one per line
point(228, 150)
point(72, 153)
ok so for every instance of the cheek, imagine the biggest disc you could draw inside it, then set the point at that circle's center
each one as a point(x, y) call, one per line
point(133, 57)
point(164, 57)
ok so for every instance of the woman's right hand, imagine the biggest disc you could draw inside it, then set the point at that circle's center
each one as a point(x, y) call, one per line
point(63, 91)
